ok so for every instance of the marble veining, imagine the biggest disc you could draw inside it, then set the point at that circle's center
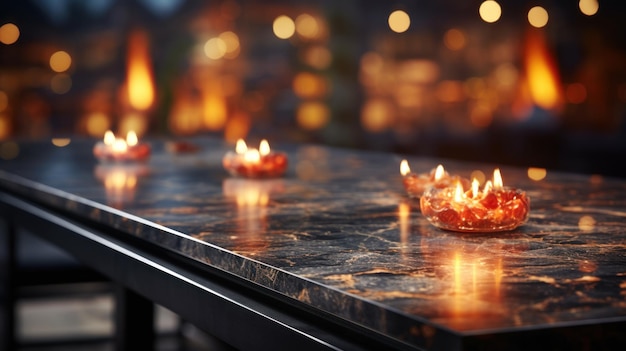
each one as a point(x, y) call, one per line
point(338, 232)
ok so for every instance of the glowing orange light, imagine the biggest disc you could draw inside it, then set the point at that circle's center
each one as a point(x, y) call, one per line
point(264, 148)
point(439, 172)
point(241, 147)
point(140, 81)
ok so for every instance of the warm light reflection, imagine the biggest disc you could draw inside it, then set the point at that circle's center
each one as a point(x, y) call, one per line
point(399, 21)
point(61, 142)
point(537, 174)
point(120, 182)
point(140, 83)
point(588, 7)
point(252, 199)
point(284, 27)
point(9, 33)
point(538, 17)
point(490, 11)
point(586, 223)
point(60, 61)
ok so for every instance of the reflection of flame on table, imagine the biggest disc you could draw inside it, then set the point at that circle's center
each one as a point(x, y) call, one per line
point(471, 271)
point(120, 181)
point(252, 198)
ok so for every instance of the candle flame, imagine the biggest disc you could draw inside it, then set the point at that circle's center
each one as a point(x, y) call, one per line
point(497, 179)
point(119, 145)
point(241, 147)
point(404, 168)
point(264, 148)
point(475, 188)
point(458, 192)
point(252, 156)
point(439, 172)
point(131, 138)
point(488, 186)
point(109, 138)
point(140, 82)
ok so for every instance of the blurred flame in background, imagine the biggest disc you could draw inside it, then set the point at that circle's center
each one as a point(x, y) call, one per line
point(314, 72)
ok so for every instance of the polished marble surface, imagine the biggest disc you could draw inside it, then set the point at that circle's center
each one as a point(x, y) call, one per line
point(339, 233)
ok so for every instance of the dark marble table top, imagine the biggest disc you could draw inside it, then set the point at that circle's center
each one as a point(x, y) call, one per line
point(338, 232)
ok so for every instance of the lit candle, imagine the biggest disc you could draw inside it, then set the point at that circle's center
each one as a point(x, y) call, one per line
point(255, 163)
point(112, 148)
point(494, 208)
point(415, 184)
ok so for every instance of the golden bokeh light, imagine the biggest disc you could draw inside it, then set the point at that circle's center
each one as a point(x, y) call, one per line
point(97, 123)
point(215, 48)
point(9, 33)
point(307, 26)
point(231, 40)
point(377, 115)
point(312, 115)
point(538, 17)
point(536, 173)
point(284, 27)
point(135, 122)
point(399, 21)
point(309, 85)
point(454, 39)
point(215, 110)
point(490, 11)
point(588, 7)
point(60, 61)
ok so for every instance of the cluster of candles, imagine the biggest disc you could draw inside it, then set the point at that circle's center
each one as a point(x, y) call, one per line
point(448, 201)
point(116, 149)
point(455, 203)
point(255, 163)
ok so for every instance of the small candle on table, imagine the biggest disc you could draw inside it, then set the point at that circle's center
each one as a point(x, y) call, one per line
point(112, 148)
point(415, 184)
point(255, 163)
point(494, 208)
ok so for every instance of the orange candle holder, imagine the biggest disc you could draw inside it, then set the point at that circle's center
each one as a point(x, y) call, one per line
point(416, 183)
point(495, 208)
point(113, 149)
point(255, 163)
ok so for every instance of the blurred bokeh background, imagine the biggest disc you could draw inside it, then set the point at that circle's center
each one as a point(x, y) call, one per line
point(529, 83)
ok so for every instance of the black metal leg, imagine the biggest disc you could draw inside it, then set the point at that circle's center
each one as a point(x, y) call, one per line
point(7, 284)
point(134, 321)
